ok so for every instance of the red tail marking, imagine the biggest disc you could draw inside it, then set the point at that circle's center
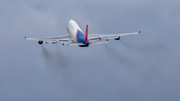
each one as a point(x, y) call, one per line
point(139, 32)
point(86, 34)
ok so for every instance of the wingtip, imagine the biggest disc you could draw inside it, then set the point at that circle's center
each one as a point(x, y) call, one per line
point(139, 32)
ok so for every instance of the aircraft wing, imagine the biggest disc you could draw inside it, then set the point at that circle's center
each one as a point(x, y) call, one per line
point(63, 39)
point(109, 36)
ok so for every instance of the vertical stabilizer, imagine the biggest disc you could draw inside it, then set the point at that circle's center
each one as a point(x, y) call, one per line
point(86, 34)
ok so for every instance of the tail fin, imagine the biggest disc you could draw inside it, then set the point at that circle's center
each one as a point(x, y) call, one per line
point(86, 34)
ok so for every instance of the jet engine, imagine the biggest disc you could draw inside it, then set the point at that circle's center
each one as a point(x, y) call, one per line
point(117, 38)
point(40, 42)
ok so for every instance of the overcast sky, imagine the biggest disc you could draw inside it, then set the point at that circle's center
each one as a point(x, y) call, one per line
point(144, 67)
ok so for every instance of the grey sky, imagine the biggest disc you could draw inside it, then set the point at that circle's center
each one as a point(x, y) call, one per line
point(143, 67)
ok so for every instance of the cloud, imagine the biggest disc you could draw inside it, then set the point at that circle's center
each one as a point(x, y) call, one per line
point(140, 67)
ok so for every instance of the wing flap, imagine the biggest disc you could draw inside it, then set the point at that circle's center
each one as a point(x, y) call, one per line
point(66, 41)
point(95, 39)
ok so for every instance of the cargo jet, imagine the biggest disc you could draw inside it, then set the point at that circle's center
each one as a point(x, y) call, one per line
point(77, 37)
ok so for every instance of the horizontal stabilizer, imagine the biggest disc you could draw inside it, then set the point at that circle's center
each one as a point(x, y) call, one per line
point(91, 43)
point(98, 42)
point(75, 44)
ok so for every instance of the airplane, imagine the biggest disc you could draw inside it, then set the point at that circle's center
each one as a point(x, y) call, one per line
point(77, 37)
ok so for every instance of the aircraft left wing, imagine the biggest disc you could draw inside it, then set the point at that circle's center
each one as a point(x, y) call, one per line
point(63, 39)
point(110, 36)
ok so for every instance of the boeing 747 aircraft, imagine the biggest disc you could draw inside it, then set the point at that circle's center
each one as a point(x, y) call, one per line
point(78, 37)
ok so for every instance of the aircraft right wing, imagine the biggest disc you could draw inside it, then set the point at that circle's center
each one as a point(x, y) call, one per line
point(109, 36)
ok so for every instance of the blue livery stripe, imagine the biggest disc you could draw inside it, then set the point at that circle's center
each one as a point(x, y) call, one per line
point(80, 37)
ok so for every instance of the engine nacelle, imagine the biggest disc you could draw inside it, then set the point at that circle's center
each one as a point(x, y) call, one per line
point(54, 42)
point(40, 42)
point(117, 38)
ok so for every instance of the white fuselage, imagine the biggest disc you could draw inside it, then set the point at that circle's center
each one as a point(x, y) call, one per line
point(72, 29)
